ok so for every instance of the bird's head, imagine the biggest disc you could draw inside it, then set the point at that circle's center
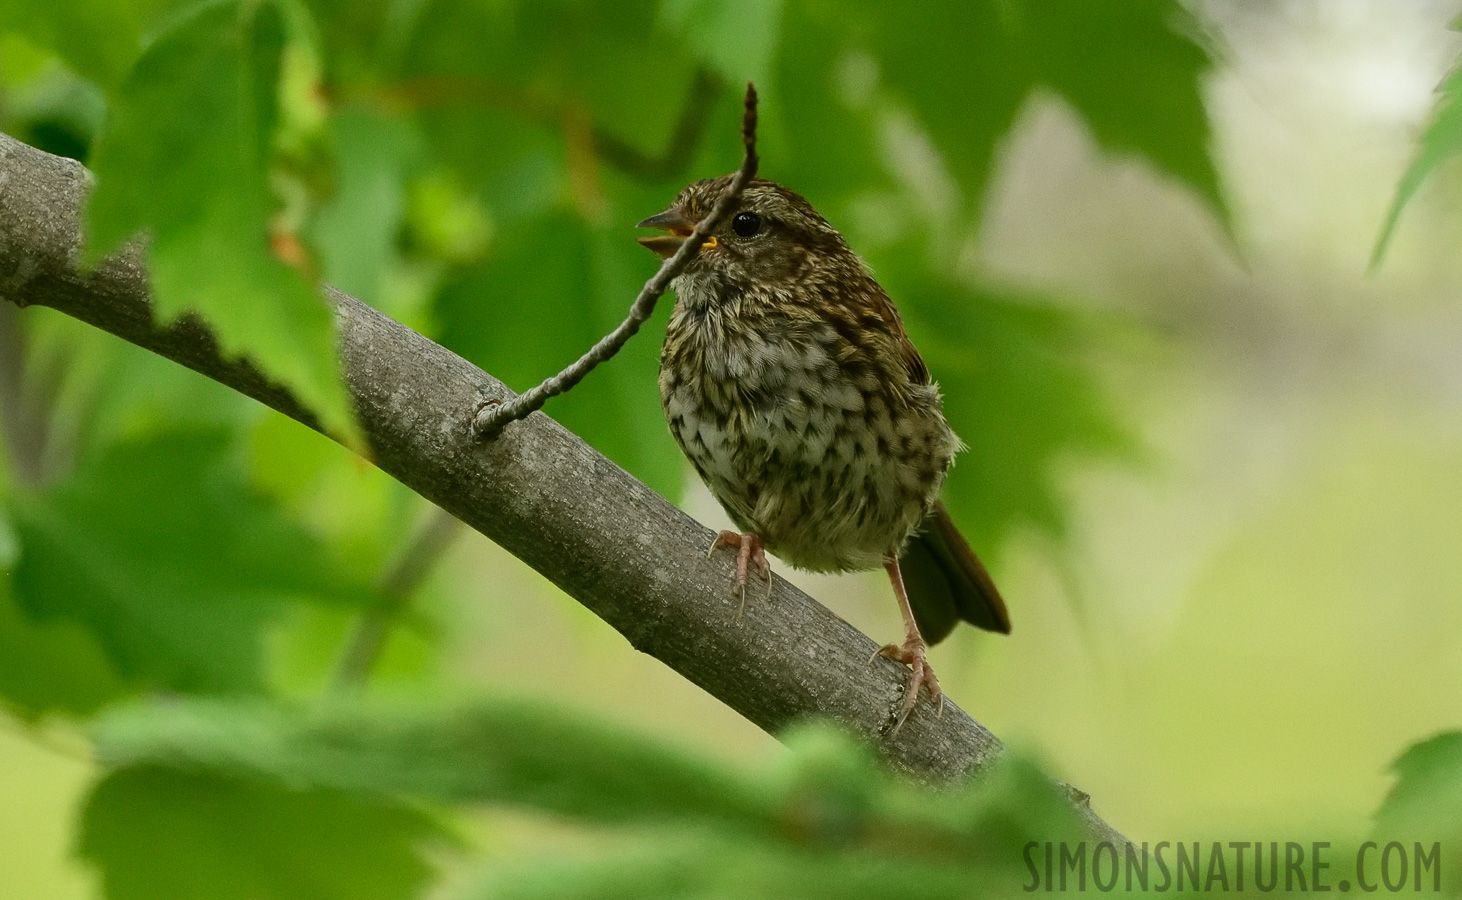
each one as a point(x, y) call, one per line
point(773, 236)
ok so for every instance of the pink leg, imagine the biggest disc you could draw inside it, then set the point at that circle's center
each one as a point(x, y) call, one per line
point(749, 550)
point(911, 651)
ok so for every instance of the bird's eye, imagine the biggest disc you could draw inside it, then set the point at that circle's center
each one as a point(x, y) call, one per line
point(746, 224)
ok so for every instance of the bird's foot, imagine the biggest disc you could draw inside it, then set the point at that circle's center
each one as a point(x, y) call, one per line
point(911, 653)
point(749, 551)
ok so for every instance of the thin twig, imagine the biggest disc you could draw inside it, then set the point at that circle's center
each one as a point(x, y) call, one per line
point(397, 585)
point(492, 418)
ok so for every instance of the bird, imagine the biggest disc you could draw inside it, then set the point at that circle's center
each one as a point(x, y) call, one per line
point(789, 382)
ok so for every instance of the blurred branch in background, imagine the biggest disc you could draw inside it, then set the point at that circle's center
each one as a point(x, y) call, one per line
point(23, 420)
point(683, 143)
point(672, 160)
point(540, 492)
point(400, 580)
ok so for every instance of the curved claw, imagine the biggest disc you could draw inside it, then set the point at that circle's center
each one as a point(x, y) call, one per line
point(749, 551)
point(912, 654)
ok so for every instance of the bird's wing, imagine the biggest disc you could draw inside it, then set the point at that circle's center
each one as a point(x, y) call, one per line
point(881, 307)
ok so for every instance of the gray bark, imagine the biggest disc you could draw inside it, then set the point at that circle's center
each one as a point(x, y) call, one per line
point(537, 490)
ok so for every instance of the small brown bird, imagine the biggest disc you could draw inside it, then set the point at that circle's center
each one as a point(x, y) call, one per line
point(790, 383)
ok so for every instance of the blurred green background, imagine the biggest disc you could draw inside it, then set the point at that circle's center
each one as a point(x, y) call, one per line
point(1214, 459)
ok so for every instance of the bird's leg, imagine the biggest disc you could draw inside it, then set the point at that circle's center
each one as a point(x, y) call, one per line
point(911, 651)
point(749, 550)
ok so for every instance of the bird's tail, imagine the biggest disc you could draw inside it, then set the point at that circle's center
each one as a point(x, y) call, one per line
point(946, 582)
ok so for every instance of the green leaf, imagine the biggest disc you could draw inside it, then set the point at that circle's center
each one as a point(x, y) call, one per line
point(445, 222)
point(1441, 141)
point(826, 792)
point(824, 821)
point(9, 541)
point(844, 829)
point(159, 550)
point(51, 666)
point(156, 834)
point(1130, 69)
point(829, 154)
point(556, 63)
point(362, 41)
point(49, 107)
point(1020, 391)
point(186, 157)
point(956, 65)
point(1426, 801)
point(1424, 813)
point(100, 39)
point(676, 865)
point(503, 752)
point(113, 391)
point(356, 232)
point(738, 39)
point(1135, 74)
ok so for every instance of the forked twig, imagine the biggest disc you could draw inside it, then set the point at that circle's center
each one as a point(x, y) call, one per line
point(492, 418)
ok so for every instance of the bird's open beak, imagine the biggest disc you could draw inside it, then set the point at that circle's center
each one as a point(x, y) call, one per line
point(675, 222)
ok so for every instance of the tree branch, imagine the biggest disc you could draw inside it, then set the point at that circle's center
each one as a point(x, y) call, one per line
point(541, 493)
